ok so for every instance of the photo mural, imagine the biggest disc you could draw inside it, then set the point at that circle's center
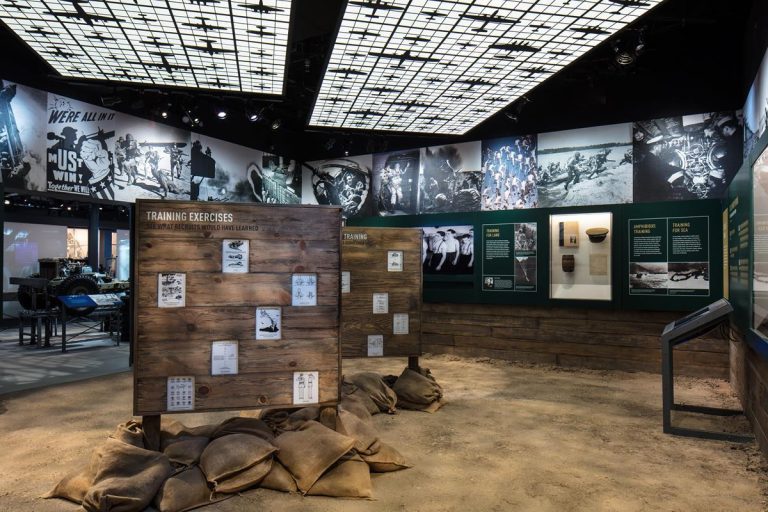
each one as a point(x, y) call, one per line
point(345, 182)
point(510, 173)
point(586, 166)
point(59, 144)
point(686, 157)
point(756, 108)
point(451, 178)
point(395, 182)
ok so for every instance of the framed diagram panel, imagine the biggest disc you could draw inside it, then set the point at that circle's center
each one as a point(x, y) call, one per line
point(381, 291)
point(236, 306)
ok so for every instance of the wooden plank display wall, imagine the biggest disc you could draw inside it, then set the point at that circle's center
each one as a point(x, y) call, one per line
point(365, 254)
point(194, 239)
point(587, 338)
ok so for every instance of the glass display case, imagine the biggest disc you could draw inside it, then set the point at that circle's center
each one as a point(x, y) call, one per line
point(760, 244)
point(580, 256)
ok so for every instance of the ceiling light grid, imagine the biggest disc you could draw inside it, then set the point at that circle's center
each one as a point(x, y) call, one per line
point(444, 67)
point(212, 44)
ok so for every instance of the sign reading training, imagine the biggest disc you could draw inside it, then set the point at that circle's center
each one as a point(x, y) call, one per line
point(669, 256)
point(509, 257)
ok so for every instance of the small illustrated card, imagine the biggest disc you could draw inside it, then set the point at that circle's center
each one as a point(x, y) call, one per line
point(346, 282)
point(305, 386)
point(394, 261)
point(106, 299)
point(304, 290)
point(234, 256)
point(380, 303)
point(268, 323)
point(181, 394)
point(171, 290)
point(400, 323)
point(224, 357)
point(375, 345)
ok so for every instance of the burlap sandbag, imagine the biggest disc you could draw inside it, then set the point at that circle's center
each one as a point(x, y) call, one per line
point(279, 479)
point(171, 430)
point(359, 403)
point(348, 478)
point(417, 387)
point(126, 479)
point(186, 450)
point(387, 459)
point(130, 432)
point(229, 455)
point(361, 430)
point(183, 491)
point(245, 479)
point(74, 486)
point(242, 425)
point(309, 451)
point(430, 408)
point(373, 385)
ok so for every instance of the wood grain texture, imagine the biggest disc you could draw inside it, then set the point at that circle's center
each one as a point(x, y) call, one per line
point(177, 341)
point(601, 339)
point(364, 253)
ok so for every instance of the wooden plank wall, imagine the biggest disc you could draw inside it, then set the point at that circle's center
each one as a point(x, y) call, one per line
point(222, 306)
point(749, 378)
point(587, 338)
point(364, 256)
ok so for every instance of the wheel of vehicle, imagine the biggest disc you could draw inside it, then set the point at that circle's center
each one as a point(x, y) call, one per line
point(28, 298)
point(78, 285)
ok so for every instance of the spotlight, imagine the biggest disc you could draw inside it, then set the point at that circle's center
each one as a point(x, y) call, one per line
point(7, 201)
point(69, 208)
point(277, 123)
point(252, 116)
point(329, 144)
point(164, 114)
point(346, 152)
point(221, 114)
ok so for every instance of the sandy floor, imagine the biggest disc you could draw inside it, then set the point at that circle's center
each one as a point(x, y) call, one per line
point(513, 438)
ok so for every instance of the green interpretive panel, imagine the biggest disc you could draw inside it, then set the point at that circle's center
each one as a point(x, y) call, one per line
point(509, 257)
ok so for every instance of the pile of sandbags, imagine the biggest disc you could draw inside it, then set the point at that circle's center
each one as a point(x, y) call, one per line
point(311, 450)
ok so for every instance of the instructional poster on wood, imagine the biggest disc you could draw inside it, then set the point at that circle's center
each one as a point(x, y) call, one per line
point(509, 257)
point(669, 256)
point(268, 323)
point(224, 357)
point(234, 256)
point(181, 394)
point(304, 290)
point(346, 282)
point(380, 303)
point(394, 261)
point(375, 345)
point(171, 290)
point(400, 323)
point(305, 386)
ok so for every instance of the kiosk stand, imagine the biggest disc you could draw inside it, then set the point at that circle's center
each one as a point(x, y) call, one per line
point(675, 333)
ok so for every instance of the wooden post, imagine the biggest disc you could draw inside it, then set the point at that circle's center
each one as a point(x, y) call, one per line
point(413, 363)
point(151, 427)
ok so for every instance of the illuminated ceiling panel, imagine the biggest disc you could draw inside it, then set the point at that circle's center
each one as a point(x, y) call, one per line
point(445, 66)
point(209, 44)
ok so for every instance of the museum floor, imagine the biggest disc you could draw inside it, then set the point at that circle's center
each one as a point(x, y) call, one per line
point(512, 437)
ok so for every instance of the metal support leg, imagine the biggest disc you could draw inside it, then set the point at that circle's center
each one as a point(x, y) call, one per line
point(63, 329)
point(413, 363)
point(667, 386)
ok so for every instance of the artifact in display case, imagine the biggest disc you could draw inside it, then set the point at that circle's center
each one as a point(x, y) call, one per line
point(580, 271)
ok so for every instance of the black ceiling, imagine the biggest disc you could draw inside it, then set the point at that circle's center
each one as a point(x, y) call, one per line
point(699, 56)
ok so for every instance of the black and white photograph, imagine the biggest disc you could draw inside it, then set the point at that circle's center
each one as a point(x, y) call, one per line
point(81, 139)
point(234, 256)
point(395, 182)
point(171, 290)
point(525, 236)
point(586, 166)
point(268, 323)
point(22, 136)
point(692, 276)
point(448, 250)
point(221, 171)
point(150, 160)
point(281, 180)
point(345, 182)
point(510, 173)
point(451, 178)
point(648, 276)
point(525, 271)
point(756, 108)
point(686, 157)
